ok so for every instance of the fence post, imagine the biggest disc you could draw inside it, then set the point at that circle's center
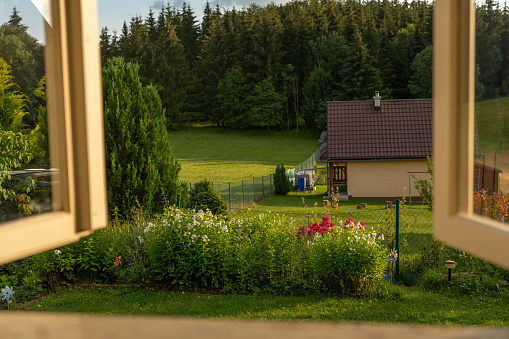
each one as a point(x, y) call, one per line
point(230, 195)
point(263, 188)
point(190, 186)
point(178, 201)
point(397, 238)
point(243, 200)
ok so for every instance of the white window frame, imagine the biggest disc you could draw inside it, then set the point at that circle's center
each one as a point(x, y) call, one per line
point(453, 93)
point(75, 119)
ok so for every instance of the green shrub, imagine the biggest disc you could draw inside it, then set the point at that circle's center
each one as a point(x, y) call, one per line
point(140, 168)
point(281, 185)
point(202, 197)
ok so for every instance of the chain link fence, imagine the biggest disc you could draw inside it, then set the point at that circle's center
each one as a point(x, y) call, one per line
point(242, 194)
point(416, 249)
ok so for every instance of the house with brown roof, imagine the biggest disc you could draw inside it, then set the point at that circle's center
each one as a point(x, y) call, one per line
point(372, 146)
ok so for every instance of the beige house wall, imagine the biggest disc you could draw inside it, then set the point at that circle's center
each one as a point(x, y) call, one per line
point(383, 179)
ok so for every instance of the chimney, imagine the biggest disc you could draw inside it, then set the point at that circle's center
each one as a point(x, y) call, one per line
point(377, 98)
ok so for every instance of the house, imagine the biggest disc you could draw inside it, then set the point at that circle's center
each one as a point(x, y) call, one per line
point(373, 145)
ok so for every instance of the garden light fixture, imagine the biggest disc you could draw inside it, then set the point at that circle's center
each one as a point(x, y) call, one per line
point(261, 275)
point(449, 264)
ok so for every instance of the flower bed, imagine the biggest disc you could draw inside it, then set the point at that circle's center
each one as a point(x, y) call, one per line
point(199, 250)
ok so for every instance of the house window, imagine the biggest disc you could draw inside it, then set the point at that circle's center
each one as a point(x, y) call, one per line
point(76, 137)
point(454, 99)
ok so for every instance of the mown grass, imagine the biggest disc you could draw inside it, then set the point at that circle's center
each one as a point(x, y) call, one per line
point(221, 155)
point(493, 123)
point(410, 305)
point(493, 129)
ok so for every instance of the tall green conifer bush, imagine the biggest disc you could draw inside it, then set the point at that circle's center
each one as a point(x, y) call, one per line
point(281, 186)
point(140, 167)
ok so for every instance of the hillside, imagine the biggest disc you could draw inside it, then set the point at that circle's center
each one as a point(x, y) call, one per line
point(493, 128)
point(222, 155)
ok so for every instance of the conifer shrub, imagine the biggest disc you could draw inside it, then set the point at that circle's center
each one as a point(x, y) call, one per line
point(281, 186)
point(202, 197)
point(140, 168)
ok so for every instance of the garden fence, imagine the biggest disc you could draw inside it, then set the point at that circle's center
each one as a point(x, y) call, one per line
point(244, 193)
point(308, 163)
point(416, 245)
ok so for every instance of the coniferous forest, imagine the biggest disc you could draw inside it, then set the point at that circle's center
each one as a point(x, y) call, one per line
point(269, 67)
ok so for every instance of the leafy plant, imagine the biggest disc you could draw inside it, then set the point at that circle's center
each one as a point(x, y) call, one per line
point(425, 186)
point(347, 259)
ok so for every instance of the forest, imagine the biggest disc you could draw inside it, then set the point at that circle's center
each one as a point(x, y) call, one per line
point(273, 66)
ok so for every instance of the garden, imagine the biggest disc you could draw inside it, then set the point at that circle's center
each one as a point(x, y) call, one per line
point(261, 264)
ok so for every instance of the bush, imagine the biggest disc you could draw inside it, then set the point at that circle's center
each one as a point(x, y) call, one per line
point(139, 166)
point(281, 186)
point(345, 259)
point(202, 197)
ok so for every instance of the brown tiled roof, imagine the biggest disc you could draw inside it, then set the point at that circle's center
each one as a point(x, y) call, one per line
point(401, 129)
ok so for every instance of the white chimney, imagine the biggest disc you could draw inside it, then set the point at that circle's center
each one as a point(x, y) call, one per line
point(377, 98)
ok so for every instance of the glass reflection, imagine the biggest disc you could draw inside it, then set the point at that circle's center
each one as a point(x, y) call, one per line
point(491, 168)
point(25, 174)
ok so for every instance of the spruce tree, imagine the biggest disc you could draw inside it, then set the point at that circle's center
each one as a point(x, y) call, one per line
point(140, 167)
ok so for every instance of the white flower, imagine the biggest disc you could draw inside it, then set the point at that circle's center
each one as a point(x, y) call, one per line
point(140, 239)
point(58, 252)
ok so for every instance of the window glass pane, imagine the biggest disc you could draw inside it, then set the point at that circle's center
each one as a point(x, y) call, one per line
point(25, 171)
point(491, 143)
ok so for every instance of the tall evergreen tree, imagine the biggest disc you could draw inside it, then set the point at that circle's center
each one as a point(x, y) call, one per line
point(139, 166)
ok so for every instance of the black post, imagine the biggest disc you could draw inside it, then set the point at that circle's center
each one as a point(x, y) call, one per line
point(397, 237)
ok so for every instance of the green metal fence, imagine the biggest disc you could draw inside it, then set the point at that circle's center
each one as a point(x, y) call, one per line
point(415, 226)
point(242, 194)
point(308, 163)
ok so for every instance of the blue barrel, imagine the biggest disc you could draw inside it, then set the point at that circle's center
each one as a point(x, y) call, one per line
point(302, 183)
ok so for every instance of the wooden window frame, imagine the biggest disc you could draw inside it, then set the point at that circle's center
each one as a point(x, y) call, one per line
point(453, 94)
point(75, 119)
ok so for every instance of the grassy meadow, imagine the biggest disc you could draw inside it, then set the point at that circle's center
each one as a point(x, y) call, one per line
point(222, 155)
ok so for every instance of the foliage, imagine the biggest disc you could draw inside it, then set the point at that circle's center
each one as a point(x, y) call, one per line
point(425, 186)
point(265, 105)
point(420, 83)
point(492, 205)
point(231, 98)
point(12, 102)
point(202, 197)
point(316, 92)
point(281, 185)
point(15, 153)
point(139, 164)
point(347, 258)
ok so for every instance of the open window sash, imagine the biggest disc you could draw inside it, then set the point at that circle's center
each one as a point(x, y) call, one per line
point(76, 136)
point(453, 93)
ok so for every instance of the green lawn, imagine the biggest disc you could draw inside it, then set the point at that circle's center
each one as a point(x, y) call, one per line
point(221, 155)
point(413, 306)
point(493, 124)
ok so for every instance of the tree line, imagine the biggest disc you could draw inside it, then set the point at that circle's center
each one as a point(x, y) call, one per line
point(271, 66)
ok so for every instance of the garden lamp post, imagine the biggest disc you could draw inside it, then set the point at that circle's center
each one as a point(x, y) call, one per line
point(449, 264)
point(261, 275)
